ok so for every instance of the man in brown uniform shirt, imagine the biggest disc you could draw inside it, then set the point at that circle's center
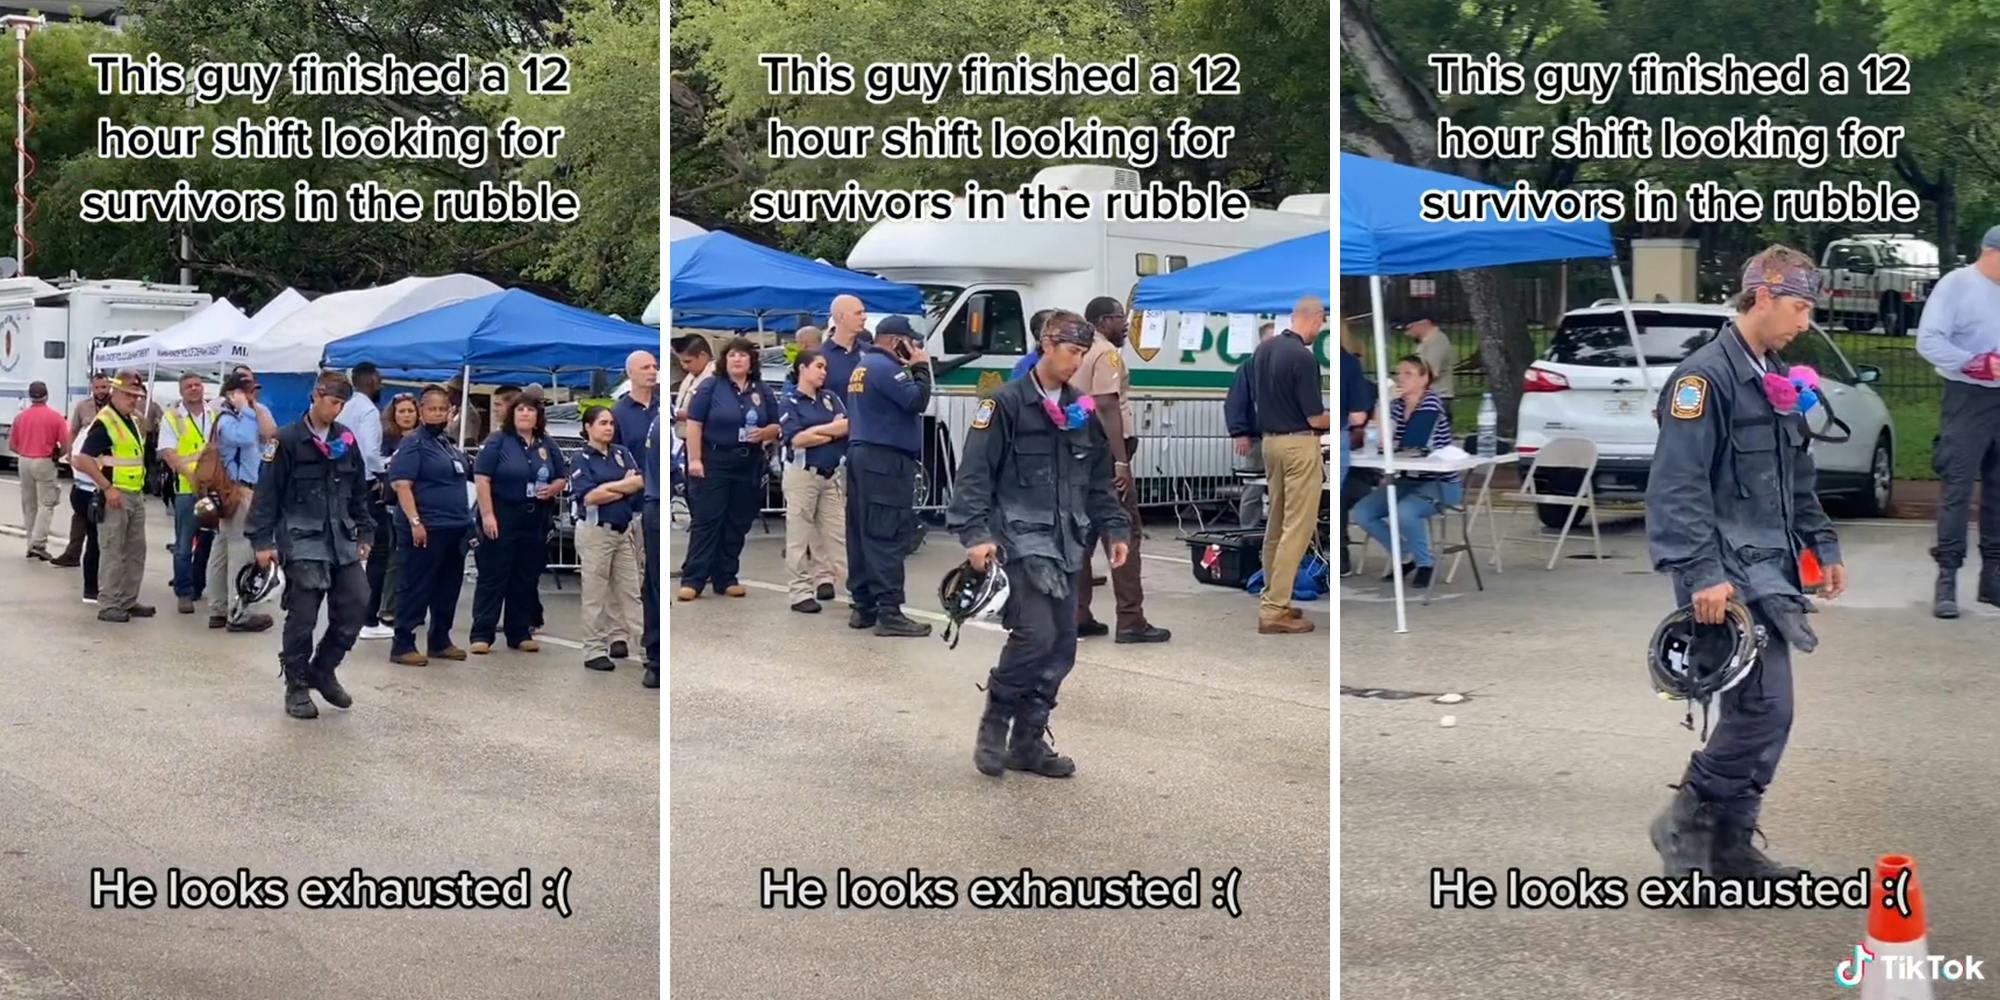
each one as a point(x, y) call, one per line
point(1104, 377)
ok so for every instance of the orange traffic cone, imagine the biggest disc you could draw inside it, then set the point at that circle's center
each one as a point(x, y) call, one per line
point(1897, 934)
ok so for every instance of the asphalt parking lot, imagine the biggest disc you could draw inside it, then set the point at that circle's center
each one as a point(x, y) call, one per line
point(1561, 753)
point(161, 745)
point(799, 743)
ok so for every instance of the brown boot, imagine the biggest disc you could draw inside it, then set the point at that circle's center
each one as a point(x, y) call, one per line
point(1283, 625)
point(412, 659)
point(450, 653)
point(686, 594)
point(481, 648)
point(735, 590)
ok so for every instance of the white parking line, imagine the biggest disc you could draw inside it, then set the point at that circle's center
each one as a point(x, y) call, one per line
point(912, 612)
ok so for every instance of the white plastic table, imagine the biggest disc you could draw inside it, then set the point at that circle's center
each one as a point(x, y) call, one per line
point(1482, 502)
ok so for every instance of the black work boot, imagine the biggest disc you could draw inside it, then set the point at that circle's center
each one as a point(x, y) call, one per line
point(990, 752)
point(1945, 604)
point(1736, 857)
point(330, 689)
point(1029, 750)
point(858, 618)
point(1989, 582)
point(298, 692)
point(1684, 834)
point(897, 624)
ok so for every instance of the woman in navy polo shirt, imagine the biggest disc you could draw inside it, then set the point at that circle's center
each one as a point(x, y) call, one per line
point(814, 423)
point(730, 420)
point(607, 485)
point(519, 473)
point(429, 475)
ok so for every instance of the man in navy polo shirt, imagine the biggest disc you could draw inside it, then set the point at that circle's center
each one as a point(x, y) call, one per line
point(844, 345)
point(634, 411)
point(886, 398)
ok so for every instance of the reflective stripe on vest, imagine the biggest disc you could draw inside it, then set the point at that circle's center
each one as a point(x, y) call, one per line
point(189, 442)
point(128, 453)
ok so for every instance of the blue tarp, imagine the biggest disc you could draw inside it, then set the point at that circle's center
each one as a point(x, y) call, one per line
point(1266, 280)
point(1381, 232)
point(715, 278)
point(510, 331)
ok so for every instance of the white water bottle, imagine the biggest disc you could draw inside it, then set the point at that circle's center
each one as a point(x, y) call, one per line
point(1489, 427)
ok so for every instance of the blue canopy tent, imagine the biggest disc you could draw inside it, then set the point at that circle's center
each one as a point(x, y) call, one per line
point(1266, 280)
point(718, 281)
point(513, 333)
point(1382, 233)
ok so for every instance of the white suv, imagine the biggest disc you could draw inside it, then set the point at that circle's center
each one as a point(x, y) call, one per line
point(1586, 386)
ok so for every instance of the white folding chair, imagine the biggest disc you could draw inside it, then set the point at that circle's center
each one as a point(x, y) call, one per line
point(1577, 454)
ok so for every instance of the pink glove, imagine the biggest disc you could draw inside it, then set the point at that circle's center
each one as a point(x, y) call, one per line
point(1784, 396)
point(1985, 368)
point(1804, 377)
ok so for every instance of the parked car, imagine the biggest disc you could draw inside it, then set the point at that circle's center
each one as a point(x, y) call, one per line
point(1588, 386)
point(1877, 280)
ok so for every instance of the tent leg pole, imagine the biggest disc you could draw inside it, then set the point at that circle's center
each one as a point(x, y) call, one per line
point(1386, 434)
point(1631, 326)
point(464, 404)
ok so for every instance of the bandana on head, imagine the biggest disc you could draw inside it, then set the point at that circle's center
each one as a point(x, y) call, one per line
point(1073, 333)
point(1800, 281)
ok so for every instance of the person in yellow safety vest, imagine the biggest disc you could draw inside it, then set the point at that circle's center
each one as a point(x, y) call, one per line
point(114, 457)
point(184, 434)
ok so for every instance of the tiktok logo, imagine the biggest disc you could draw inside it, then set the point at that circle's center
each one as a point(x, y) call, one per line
point(1847, 975)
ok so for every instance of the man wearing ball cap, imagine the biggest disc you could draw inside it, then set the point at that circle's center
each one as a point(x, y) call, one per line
point(1730, 508)
point(1960, 335)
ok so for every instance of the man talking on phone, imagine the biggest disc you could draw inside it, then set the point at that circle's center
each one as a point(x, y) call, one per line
point(886, 397)
point(1730, 508)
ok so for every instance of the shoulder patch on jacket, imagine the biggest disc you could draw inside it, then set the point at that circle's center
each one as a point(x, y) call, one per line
point(984, 417)
point(1690, 399)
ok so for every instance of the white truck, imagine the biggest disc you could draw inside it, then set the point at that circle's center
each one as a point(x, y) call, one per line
point(982, 281)
point(49, 332)
point(1877, 280)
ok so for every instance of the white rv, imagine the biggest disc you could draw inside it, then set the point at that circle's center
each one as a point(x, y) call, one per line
point(982, 281)
point(49, 332)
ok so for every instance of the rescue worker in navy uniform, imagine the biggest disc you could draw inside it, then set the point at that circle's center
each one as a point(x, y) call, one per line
point(886, 398)
point(1030, 492)
point(1730, 507)
point(310, 512)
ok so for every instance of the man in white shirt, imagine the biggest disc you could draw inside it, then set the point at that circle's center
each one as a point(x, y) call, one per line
point(362, 417)
point(1959, 335)
point(184, 430)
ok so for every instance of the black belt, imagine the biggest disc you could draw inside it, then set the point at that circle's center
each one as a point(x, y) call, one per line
point(729, 451)
point(616, 529)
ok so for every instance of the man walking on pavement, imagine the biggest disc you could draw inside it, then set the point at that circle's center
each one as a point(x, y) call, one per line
point(1960, 335)
point(38, 431)
point(886, 397)
point(311, 514)
point(114, 457)
point(1104, 377)
point(1291, 415)
point(1035, 458)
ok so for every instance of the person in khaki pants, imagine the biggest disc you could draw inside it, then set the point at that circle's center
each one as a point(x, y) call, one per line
point(813, 424)
point(38, 431)
point(114, 457)
point(607, 484)
point(1291, 415)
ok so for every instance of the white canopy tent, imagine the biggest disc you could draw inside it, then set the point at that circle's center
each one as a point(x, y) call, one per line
point(296, 341)
point(197, 341)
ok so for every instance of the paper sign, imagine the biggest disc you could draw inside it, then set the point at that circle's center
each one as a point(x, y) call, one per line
point(1153, 331)
point(1242, 333)
point(1191, 326)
